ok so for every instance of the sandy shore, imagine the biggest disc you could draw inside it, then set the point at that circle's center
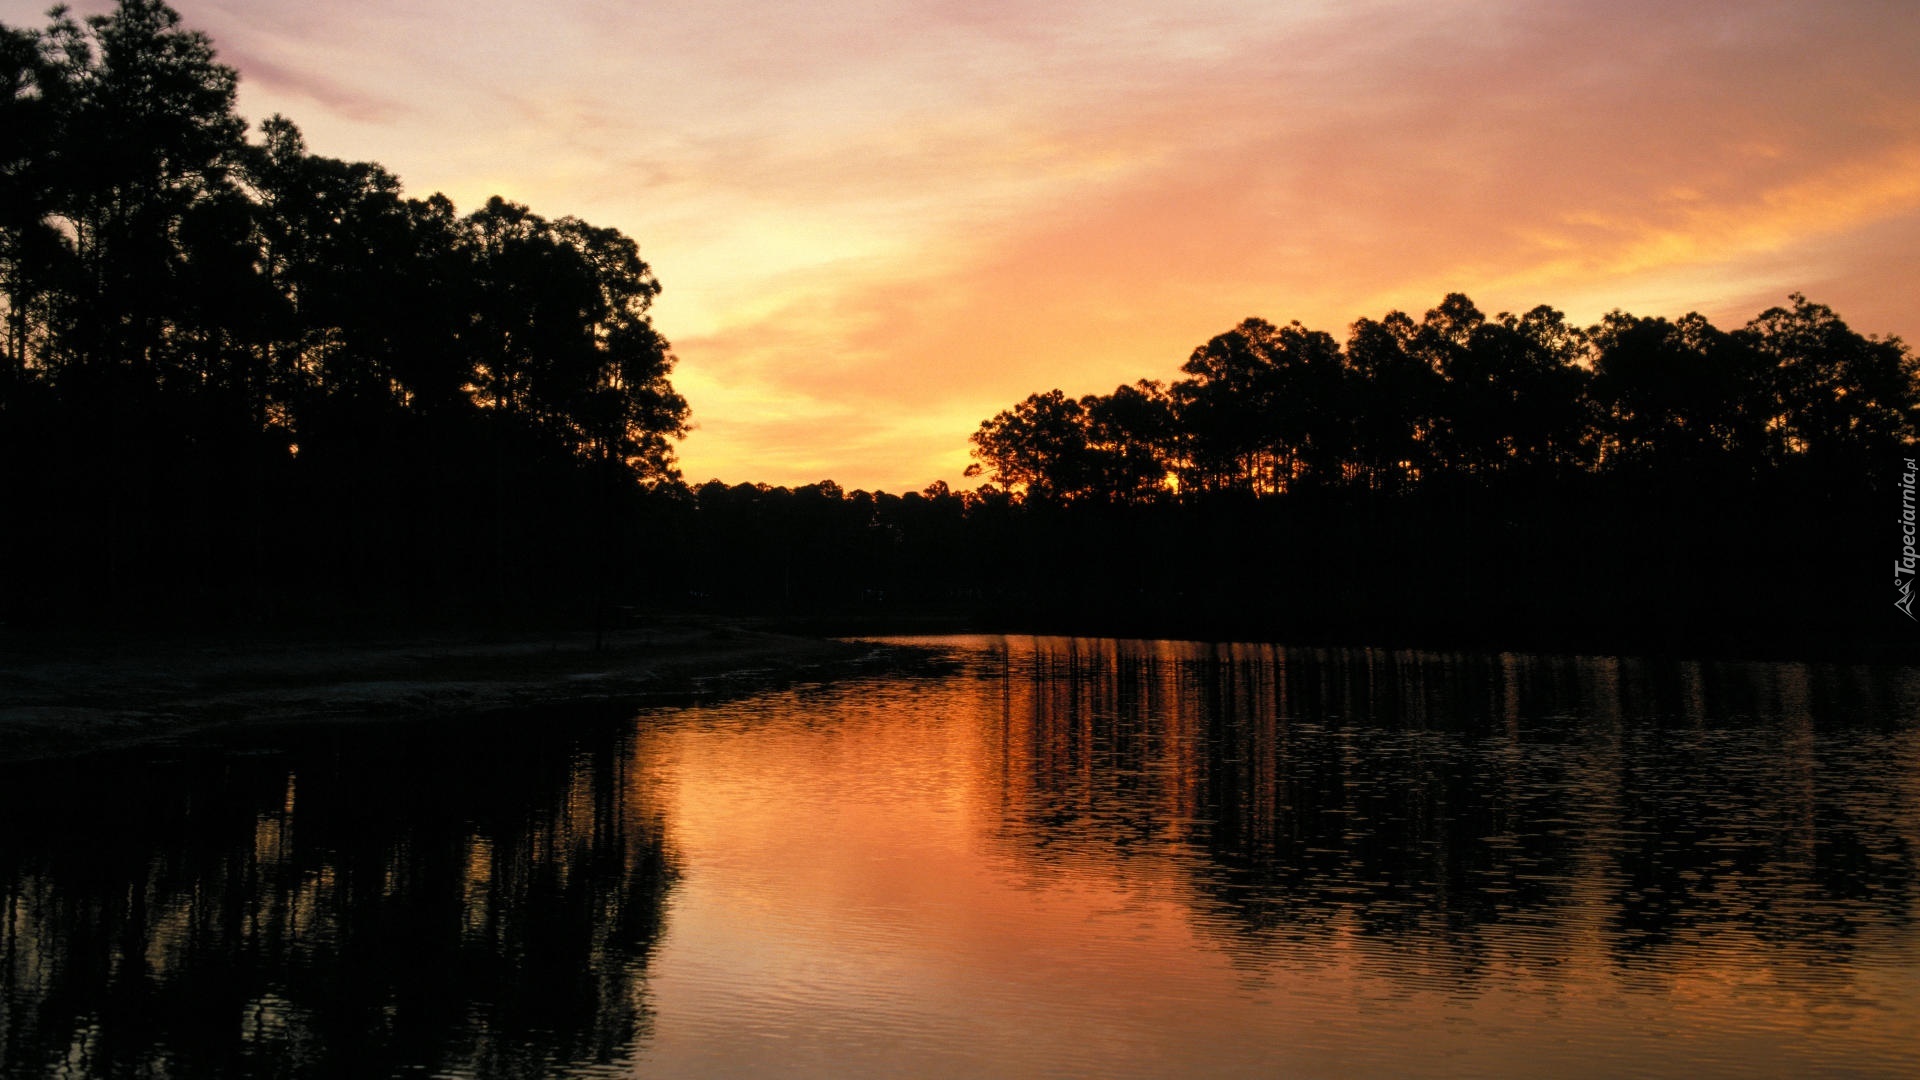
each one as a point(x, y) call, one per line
point(59, 698)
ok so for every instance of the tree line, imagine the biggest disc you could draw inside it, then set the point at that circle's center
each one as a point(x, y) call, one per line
point(1459, 397)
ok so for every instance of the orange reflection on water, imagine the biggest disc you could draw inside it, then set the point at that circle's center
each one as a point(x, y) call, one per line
point(1102, 858)
point(1014, 857)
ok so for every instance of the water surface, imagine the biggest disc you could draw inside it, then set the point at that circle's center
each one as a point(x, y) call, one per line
point(1023, 857)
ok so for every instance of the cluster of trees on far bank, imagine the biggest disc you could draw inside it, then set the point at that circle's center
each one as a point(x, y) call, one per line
point(1456, 396)
point(1458, 477)
point(1640, 483)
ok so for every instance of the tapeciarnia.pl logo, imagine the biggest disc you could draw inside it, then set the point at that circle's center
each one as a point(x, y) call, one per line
point(1904, 565)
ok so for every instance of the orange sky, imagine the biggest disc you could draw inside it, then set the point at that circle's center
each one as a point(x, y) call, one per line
point(879, 222)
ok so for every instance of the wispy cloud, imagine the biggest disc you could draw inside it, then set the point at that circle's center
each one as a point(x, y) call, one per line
point(313, 87)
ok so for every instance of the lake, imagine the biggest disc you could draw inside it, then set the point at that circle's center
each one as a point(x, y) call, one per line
point(1004, 857)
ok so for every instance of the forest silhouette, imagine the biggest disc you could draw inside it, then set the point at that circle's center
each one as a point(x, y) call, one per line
point(244, 384)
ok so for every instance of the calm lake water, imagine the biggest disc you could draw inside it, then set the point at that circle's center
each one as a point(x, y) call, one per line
point(1006, 857)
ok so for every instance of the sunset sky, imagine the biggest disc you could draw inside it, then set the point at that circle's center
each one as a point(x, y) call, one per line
point(878, 223)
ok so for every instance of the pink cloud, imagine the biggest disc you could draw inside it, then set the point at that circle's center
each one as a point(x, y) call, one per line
point(307, 85)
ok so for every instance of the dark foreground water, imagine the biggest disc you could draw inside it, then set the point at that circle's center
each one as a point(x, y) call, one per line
point(1026, 858)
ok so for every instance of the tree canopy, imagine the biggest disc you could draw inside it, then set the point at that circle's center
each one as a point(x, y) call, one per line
point(222, 354)
point(150, 251)
point(1458, 397)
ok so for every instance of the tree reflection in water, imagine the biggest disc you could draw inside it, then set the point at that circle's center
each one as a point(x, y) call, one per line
point(376, 900)
point(1473, 809)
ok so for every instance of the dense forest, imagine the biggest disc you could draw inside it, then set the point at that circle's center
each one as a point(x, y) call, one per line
point(239, 377)
point(1460, 398)
point(244, 384)
point(1639, 483)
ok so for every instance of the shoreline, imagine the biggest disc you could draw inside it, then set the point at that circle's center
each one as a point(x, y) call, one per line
point(73, 695)
point(65, 695)
point(1737, 644)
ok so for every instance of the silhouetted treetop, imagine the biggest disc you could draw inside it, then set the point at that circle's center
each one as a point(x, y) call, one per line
point(1457, 396)
point(148, 248)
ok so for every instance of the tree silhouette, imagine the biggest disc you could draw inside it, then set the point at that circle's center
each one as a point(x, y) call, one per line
point(1678, 396)
point(1131, 439)
point(1267, 410)
point(1844, 403)
point(1393, 396)
point(1038, 447)
point(1264, 409)
point(215, 346)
